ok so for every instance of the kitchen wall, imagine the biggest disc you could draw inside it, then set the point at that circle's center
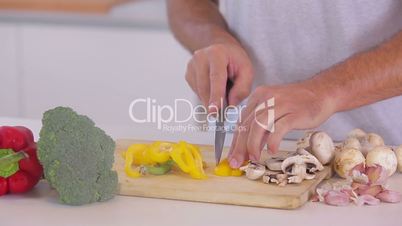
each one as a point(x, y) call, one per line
point(96, 64)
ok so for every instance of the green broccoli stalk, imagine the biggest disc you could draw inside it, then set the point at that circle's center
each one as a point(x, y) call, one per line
point(77, 157)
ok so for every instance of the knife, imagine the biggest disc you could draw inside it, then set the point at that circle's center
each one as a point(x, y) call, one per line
point(220, 131)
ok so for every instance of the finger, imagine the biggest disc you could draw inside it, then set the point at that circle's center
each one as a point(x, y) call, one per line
point(239, 152)
point(218, 78)
point(190, 76)
point(235, 136)
point(254, 102)
point(262, 124)
point(202, 79)
point(282, 127)
point(241, 124)
point(242, 83)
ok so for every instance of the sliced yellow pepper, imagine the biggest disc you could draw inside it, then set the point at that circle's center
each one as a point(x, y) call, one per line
point(129, 162)
point(186, 156)
point(178, 156)
point(198, 169)
point(223, 169)
point(160, 151)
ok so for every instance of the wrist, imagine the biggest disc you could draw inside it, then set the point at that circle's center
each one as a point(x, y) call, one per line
point(329, 94)
point(214, 35)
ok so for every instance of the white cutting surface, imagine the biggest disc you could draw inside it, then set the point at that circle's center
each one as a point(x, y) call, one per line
point(40, 207)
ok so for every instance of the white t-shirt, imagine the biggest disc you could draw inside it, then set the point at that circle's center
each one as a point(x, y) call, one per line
point(292, 40)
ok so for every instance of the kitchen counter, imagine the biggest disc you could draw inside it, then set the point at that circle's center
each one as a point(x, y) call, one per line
point(150, 14)
point(40, 206)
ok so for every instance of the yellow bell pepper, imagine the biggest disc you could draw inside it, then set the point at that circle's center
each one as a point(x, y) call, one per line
point(223, 169)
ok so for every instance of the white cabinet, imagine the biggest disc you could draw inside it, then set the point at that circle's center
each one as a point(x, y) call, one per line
point(9, 95)
point(99, 70)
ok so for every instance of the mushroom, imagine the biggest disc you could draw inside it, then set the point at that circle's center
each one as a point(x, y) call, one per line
point(254, 171)
point(300, 167)
point(384, 156)
point(280, 179)
point(322, 147)
point(346, 159)
point(304, 142)
point(398, 153)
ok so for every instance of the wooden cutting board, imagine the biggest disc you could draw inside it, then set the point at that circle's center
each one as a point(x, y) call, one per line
point(215, 189)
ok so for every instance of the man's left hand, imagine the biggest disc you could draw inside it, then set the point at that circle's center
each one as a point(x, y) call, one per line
point(297, 106)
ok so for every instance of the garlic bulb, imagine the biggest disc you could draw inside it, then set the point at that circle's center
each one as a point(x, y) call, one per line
point(383, 156)
point(398, 153)
point(346, 159)
point(352, 142)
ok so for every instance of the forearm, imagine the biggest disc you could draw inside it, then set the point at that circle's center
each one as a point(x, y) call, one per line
point(365, 78)
point(197, 23)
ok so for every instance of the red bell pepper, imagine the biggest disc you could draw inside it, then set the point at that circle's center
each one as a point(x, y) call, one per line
point(20, 169)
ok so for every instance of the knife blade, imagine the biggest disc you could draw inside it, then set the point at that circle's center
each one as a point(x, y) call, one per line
point(220, 130)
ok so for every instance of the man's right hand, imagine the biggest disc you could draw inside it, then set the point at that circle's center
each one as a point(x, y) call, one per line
point(210, 68)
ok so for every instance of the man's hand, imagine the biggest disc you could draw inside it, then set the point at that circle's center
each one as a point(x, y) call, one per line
point(211, 67)
point(297, 106)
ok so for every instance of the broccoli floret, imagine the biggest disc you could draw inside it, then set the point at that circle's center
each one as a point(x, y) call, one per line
point(77, 157)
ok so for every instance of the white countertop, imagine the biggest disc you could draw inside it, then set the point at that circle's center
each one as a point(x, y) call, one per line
point(40, 206)
point(149, 14)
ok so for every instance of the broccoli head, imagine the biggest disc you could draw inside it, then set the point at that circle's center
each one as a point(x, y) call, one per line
point(77, 157)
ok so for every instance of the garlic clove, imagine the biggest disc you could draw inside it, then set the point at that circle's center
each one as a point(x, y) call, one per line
point(370, 190)
point(337, 198)
point(359, 177)
point(389, 196)
point(366, 199)
point(359, 167)
point(359, 186)
point(376, 174)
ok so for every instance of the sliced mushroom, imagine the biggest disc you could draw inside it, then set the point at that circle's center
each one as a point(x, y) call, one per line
point(253, 170)
point(300, 167)
point(274, 163)
point(280, 179)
